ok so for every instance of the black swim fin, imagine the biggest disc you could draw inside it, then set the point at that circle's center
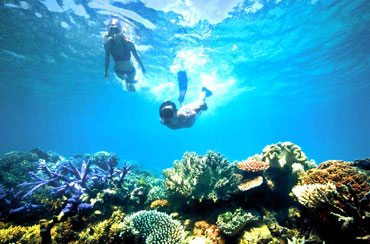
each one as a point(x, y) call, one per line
point(183, 85)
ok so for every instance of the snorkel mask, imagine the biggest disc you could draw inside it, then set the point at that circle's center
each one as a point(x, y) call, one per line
point(167, 111)
point(114, 28)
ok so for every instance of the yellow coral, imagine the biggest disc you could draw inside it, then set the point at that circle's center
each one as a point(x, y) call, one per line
point(255, 235)
point(20, 234)
point(158, 203)
point(102, 230)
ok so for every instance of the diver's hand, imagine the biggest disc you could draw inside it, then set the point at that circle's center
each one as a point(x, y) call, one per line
point(106, 76)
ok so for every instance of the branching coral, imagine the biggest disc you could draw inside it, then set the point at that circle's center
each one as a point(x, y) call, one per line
point(152, 227)
point(195, 177)
point(231, 223)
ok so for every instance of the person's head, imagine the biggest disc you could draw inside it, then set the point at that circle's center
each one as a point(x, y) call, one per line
point(167, 111)
point(114, 28)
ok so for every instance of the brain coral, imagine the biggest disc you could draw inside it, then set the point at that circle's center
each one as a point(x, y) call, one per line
point(152, 227)
point(338, 173)
point(195, 177)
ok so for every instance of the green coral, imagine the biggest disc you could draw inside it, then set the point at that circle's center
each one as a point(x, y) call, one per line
point(101, 157)
point(15, 167)
point(152, 227)
point(195, 177)
point(231, 223)
point(285, 154)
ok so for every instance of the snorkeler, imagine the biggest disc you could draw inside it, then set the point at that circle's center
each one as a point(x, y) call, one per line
point(117, 45)
point(184, 117)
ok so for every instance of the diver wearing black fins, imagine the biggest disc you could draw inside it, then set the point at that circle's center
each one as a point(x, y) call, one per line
point(184, 117)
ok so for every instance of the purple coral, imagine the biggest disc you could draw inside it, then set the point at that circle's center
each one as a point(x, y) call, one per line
point(68, 180)
point(112, 173)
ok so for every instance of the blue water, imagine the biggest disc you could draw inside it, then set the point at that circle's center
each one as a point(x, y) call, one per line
point(284, 70)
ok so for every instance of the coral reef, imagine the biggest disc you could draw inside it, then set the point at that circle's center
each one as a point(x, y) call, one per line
point(152, 227)
point(231, 223)
point(82, 199)
point(362, 163)
point(20, 234)
point(158, 203)
point(288, 166)
point(312, 195)
point(202, 178)
point(254, 166)
point(338, 198)
point(284, 154)
point(254, 235)
point(14, 168)
point(206, 233)
point(106, 231)
point(250, 184)
point(338, 173)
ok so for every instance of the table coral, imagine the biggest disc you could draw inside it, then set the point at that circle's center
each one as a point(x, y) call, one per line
point(209, 177)
point(253, 166)
point(250, 184)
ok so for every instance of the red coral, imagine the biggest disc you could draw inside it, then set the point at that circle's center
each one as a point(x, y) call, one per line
point(253, 165)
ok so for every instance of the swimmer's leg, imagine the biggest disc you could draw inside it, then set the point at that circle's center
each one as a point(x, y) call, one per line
point(205, 93)
point(130, 81)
